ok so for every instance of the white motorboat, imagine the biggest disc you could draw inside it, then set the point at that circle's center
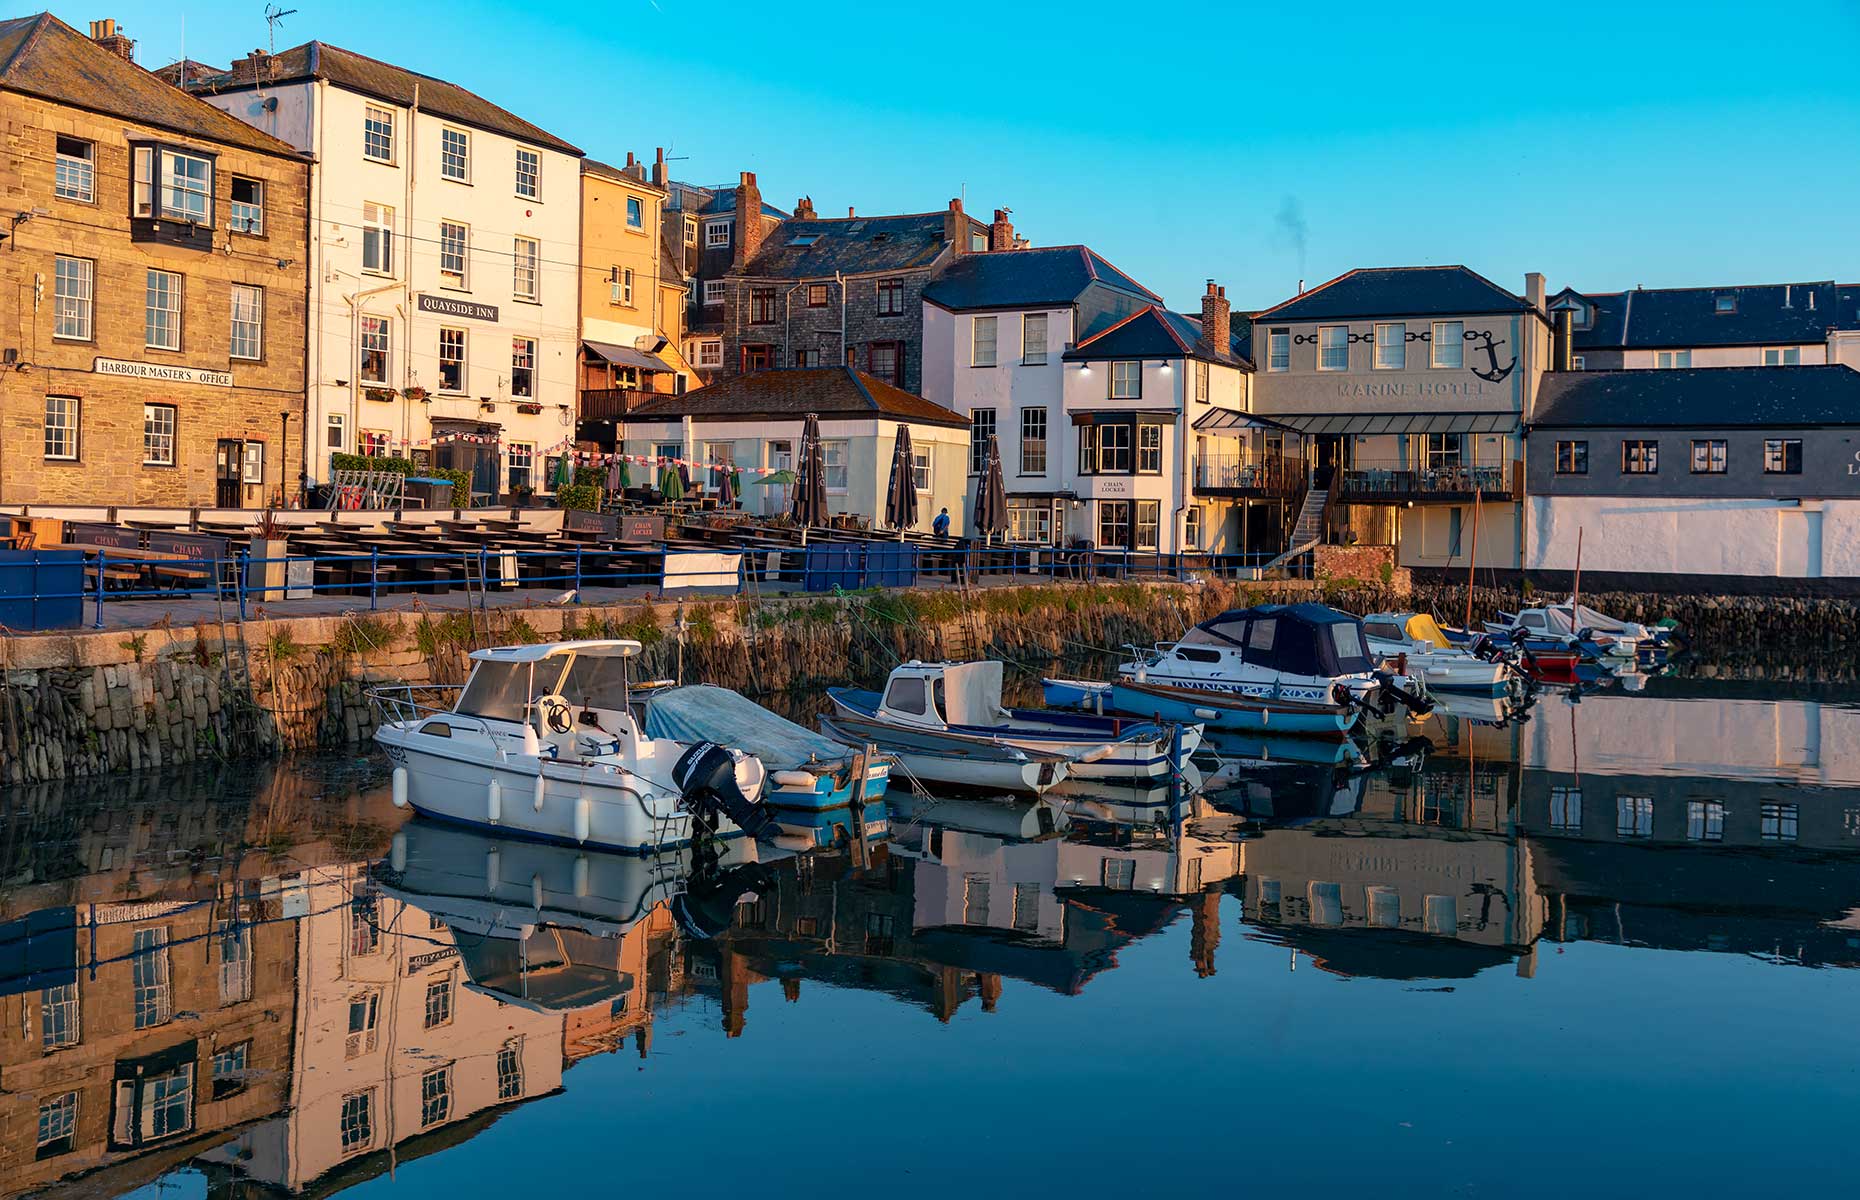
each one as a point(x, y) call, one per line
point(540, 742)
point(1554, 627)
point(1310, 653)
point(927, 701)
point(1417, 641)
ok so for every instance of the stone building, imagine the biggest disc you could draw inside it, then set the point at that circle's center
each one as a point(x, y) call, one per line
point(703, 224)
point(152, 342)
point(847, 291)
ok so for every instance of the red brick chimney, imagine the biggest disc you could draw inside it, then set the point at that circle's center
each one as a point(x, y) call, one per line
point(748, 219)
point(658, 168)
point(1001, 231)
point(804, 209)
point(1216, 320)
point(106, 34)
point(956, 228)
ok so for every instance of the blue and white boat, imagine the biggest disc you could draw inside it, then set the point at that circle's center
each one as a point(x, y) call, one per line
point(964, 700)
point(811, 778)
point(1216, 710)
point(1306, 653)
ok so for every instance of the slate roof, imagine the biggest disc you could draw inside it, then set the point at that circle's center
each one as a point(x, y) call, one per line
point(359, 73)
point(716, 200)
point(851, 245)
point(775, 395)
point(1043, 277)
point(1677, 318)
point(1399, 292)
point(44, 57)
point(1153, 332)
point(1700, 398)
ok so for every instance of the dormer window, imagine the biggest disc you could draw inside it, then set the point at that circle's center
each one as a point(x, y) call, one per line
point(1724, 304)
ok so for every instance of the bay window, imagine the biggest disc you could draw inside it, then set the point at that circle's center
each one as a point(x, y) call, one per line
point(171, 185)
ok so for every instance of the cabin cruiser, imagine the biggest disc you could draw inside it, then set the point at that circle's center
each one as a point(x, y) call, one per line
point(924, 703)
point(1309, 653)
point(540, 742)
point(1416, 641)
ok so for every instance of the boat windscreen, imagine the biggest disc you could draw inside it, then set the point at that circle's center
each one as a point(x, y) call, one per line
point(1346, 640)
point(501, 691)
point(596, 682)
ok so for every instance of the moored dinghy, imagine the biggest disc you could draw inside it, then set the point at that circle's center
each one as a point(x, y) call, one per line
point(964, 700)
point(929, 756)
point(1216, 710)
point(540, 742)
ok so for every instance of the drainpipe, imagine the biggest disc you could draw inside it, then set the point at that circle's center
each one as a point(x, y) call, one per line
point(1181, 455)
point(841, 281)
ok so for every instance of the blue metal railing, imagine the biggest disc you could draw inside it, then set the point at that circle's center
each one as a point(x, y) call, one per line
point(240, 578)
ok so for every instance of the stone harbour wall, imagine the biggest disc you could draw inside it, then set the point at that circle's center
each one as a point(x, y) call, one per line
point(94, 703)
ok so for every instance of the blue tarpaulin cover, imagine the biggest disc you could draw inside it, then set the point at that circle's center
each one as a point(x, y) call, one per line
point(703, 713)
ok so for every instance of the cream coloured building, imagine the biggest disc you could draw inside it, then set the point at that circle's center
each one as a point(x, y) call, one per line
point(444, 243)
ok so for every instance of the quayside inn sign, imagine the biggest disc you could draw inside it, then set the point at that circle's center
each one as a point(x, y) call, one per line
point(162, 372)
point(446, 306)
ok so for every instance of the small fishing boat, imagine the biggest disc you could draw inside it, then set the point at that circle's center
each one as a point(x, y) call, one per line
point(540, 742)
point(952, 759)
point(1417, 642)
point(1216, 710)
point(812, 779)
point(964, 700)
point(1309, 653)
point(1554, 628)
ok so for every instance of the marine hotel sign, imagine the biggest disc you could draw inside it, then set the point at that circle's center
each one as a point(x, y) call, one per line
point(446, 306)
point(162, 372)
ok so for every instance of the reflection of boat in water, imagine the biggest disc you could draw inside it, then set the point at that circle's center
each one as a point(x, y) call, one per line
point(1008, 818)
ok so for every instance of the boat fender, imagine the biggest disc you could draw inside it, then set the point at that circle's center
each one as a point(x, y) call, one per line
point(536, 892)
point(399, 787)
point(1096, 754)
point(793, 779)
point(584, 817)
point(581, 876)
point(492, 876)
point(531, 743)
point(397, 852)
point(536, 797)
point(1265, 717)
point(494, 802)
point(1206, 714)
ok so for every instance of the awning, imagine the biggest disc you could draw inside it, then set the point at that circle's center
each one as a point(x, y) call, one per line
point(1406, 422)
point(626, 356)
point(1224, 420)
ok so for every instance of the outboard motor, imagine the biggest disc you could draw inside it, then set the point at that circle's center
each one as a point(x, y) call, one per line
point(1392, 694)
point(708, 904)
point(706, 776)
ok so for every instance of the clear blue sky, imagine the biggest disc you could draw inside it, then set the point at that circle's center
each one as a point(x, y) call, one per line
point(1658, 144)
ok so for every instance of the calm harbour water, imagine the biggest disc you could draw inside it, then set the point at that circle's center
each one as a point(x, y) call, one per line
point(1610, 949)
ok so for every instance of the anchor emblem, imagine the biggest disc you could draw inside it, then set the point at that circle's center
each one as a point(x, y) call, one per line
point(1482, 340)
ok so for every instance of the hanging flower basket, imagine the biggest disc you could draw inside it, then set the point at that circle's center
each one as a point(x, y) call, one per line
point(415, 393)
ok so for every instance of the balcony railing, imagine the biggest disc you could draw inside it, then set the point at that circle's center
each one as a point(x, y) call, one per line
point(597, 403)
point(1398, 481)
point(1272, 475)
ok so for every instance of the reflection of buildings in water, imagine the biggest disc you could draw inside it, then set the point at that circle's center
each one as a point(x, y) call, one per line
point(944, 914)
point(147, 965)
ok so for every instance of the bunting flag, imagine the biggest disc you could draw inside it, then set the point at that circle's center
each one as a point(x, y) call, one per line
point(592, 458)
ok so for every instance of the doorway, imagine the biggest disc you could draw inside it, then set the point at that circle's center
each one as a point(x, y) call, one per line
point(781, 458)
point(228, 471)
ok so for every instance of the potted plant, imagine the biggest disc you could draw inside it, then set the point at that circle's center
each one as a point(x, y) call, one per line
point(415, 393)
point(379, 394)
point(270, 563)
point(531, 409)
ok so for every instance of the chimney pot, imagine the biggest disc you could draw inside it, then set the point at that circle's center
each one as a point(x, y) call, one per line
point(107, 34)
point(849, 211)
point(956, 228)
point(1216, 320)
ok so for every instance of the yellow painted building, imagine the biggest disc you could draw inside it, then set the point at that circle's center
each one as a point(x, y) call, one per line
point(632, 291)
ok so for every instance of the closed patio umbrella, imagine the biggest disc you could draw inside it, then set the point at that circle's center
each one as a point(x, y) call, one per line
point(726, 489)
point(991, 495)
point(672, 484)
point(901, 499)
point(810, 493)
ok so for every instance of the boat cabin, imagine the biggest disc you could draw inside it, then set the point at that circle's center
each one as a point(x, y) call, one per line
point(574, 693)
point(1311, 640)
point(1417, 631)
point(944, 695)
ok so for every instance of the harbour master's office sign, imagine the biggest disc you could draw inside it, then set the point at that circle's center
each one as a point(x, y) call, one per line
point(162, 372)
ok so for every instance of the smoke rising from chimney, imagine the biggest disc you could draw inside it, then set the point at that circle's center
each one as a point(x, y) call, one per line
point(1290, 231)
